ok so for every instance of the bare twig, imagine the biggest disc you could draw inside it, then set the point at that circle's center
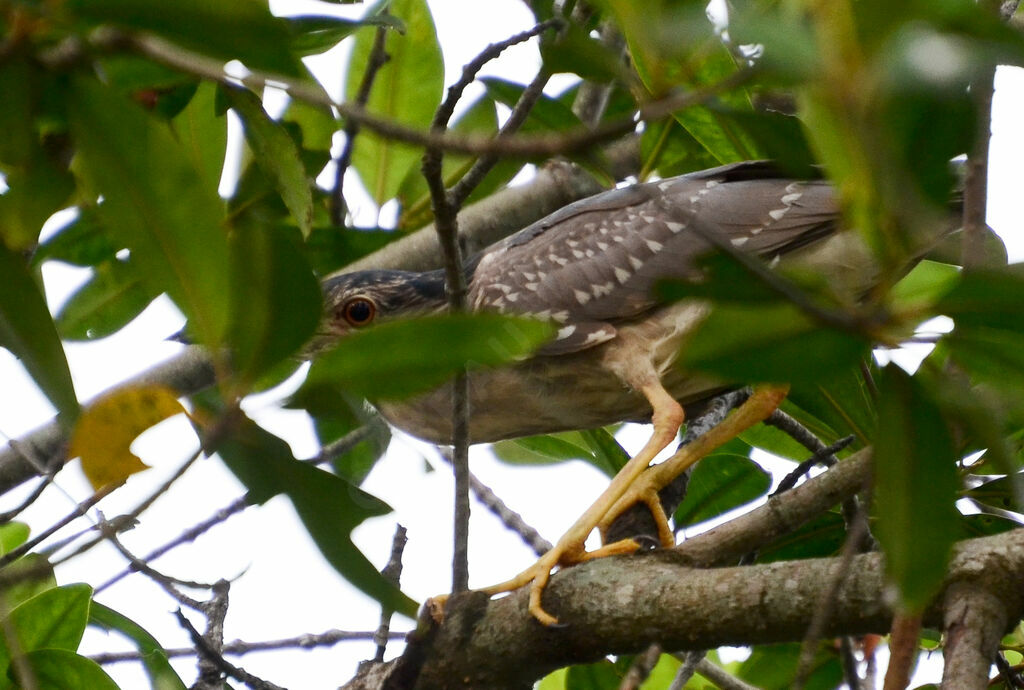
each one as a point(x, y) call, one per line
point(218, 660)
point(240, 648)
point(511, 519)
point(168, 583)
point(903, 646)
point(446, 225)
point(79, 511)
point(185, 537)
point(694, 662)
point(392, 572)
point(519, 147)
point(461, 190)
point(334, 450)
point(818, 622)
point(976, 182)
point(378, 58)
point(29, 500)
point(641, 668)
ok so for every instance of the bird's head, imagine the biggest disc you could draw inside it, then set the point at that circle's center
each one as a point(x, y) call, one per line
point(353, 301)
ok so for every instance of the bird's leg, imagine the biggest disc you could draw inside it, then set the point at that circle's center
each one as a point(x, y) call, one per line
point(570, 549)
point(758, 406)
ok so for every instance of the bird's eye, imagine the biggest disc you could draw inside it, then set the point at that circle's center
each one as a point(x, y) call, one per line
point(359, 311)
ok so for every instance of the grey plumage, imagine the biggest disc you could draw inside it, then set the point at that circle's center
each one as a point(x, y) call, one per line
point(590, 268)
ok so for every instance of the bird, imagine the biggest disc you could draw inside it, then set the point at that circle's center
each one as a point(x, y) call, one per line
point(590, 269)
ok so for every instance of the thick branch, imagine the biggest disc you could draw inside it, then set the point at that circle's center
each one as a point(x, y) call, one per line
point(622, 604)
point(975, 620)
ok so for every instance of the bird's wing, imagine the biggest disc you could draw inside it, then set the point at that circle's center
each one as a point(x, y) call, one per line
point(595, 262)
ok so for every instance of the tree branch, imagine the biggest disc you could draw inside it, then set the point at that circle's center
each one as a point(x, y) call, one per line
point(619, 605)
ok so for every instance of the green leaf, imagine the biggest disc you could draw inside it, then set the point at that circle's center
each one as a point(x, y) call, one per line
point(329, 249)
point(838, 404)
point(998, 493)
point(60, 669)
point(315, 34)
point(276, 299)
point(990, 298)
point(573, 50)
point(329, 507)
point(774, 667)
point(335, 414)
point(982, 525)
point(547, 115)
point(35, 192)
point(991, 355)
point(822, 537)
point(401, 358)
point(12, 535)
point(82, 242)
point(276, 153)
point(414, 197)
point(769, 343)
point(27, 330)
point(170, 221)
point(105, 303)
point(608, 455)
point(31, 574)
point(154, 659)
point(17, 82)
point(316, 123)
point(53, 619)
point(238, 30)
point(719, 483)
point(203, 133)
point(668, 149)
point(543, 450)
point(407, 89)
point(915, 487)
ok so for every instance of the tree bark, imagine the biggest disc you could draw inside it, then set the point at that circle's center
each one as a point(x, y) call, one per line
point(620, 605)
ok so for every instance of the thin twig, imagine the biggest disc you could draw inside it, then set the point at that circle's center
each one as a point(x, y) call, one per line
point(215, 610)
point(825, 456)
point(447, 227)
point(694, 662)
point(446, 208)
point(335, 449)
point(188, 536)
point(240, 648)
point(972, 252)
point(167, 582)
point(510, 518)
point(461, 190)
point(532, 146)
point(640, 669)
point(841, 569)
point(392, 572)
point(79, 511)
point(139, 509)
point(377, 59)
point(29, 500)
point(220, 662)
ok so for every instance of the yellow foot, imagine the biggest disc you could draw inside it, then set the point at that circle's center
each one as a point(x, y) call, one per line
point(537, 575)
point(636, 482)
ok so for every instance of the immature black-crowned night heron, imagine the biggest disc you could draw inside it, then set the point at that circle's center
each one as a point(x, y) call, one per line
point(590, 268)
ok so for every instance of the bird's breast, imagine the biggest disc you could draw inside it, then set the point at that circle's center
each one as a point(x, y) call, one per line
point(578, 390)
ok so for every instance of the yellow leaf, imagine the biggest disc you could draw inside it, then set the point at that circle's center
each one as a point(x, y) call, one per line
point(104, 433)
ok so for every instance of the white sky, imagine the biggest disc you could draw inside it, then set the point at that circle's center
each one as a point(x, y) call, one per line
point(285, 588)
